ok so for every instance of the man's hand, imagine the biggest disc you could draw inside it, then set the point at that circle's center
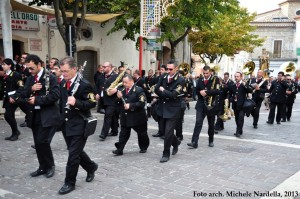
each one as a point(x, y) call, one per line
point(36, 87)
point(288, 92)
point(203, 93)
point(11, 100)
point(97, 96)
point(112, 91)
point(126, 106)
point(71, 100)
point(161, 88)
point(31, 100)
point(119, 94)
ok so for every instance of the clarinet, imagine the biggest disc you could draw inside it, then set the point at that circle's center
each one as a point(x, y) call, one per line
point(76, 83)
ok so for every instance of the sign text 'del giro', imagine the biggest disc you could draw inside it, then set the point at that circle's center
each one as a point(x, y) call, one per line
point(24, 21)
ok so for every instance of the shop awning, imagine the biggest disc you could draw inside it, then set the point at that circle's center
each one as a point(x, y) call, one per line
point(17, 6)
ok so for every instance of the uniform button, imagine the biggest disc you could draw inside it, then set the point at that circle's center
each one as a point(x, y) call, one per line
point(66, 111)
point(66, 119)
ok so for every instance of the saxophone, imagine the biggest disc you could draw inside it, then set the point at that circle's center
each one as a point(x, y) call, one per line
point(210, 98)
point(118, 82)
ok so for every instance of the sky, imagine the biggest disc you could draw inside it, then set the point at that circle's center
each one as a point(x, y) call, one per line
point(260, 6)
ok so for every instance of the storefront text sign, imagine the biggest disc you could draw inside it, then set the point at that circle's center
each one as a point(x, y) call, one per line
point(35, 44)
point(24, 21)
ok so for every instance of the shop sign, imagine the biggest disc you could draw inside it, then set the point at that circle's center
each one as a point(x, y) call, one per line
point(24, 21)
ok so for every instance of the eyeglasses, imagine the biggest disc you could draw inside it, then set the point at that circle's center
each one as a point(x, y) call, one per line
point(170, 69)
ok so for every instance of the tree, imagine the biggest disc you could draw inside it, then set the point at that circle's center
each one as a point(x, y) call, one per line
point(62, 20)
point(228, 34)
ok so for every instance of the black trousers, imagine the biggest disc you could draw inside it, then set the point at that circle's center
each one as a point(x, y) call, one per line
point(10, 118)
point(255, 112)
point(272, 112)
point(289, 108)
point(200, 115)
point(219, 122)
point(143, 139)
point(42, 139)
point(161, 126)
point(110, 121)
point(239, 120)
point(24, 108)
point(178, 127)
point(77, 157)
point(100, 104)
point(283, 113)
point(170, 138)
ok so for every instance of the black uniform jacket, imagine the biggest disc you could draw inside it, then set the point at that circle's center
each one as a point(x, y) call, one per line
point(50, 115)
point(215, 91)
point(259, 94)
point(238, 95)
point(85, 100)
point(169, 104)
point(278, 91)
point(136, 115)
point(11, 84)
point(102, 85)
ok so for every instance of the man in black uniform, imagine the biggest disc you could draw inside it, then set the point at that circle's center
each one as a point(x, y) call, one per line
point(226, 83)
point(168, 88)
point(42, 93)
point(156, 106)
point(109, 101)
point(208, 89)
point(133, 116)
point(260, 87)
point(77, 94)
point(277, 98)
point(238, 94)
point(291, 96)
point(12, 81)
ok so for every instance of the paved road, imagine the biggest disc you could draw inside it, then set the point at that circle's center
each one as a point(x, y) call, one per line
point(264, 161)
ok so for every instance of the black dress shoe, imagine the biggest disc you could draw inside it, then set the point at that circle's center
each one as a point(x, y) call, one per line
point(162, 137)
point(193, 145)
point(268, 122)
point(102, 137)
point(278, 123)
point(66, 189)
point(8, 138)
point(237, 135)
point(33, 146)
point(219, 129)
point(288, 120)
point(14, 138)
point(143, 150)
point(24, 124)
point(112, 134)
point(180, 138)
point(91, 175)
point(37, 173)
point(255, 126)
point(164, 159)
point(156, 135)
point(102, 111)
point(216, 132)
point(175, 150)
point(283, 120)
point(50, 172)
point(211, 144)
point(117, 152)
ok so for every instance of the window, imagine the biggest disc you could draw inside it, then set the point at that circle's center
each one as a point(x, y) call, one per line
point(277, 49)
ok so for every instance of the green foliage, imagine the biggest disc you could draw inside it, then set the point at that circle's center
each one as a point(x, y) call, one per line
point(227, 34)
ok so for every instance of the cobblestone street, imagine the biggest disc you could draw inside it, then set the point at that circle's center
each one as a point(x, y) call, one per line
point(264, 161)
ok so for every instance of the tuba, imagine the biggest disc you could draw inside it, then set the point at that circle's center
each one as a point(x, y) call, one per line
point(184, 69)
point(248, 68)
point(288, 67)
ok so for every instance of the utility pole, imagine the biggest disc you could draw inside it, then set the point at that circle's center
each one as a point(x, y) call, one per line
point(5, 13)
